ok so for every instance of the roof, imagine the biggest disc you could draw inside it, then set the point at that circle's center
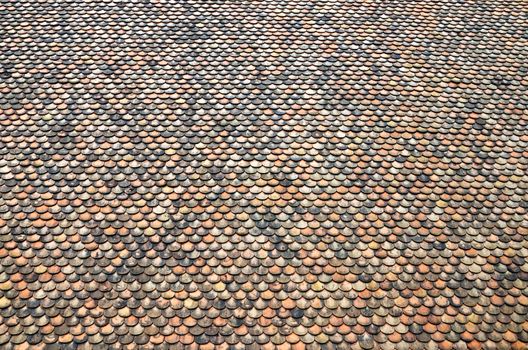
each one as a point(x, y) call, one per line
point(264, 174)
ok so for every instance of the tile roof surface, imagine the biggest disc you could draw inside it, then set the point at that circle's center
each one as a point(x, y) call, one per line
point(263, 174)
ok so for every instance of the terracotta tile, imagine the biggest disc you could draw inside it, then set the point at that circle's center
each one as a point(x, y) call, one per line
point(264, 175)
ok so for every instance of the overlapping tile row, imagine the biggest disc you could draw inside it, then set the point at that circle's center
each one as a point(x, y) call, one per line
point(264, 174)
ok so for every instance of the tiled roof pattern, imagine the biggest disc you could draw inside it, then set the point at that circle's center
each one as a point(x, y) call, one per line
point(264, 174)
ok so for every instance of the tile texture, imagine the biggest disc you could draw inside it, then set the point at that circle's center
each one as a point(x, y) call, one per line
point(264, 174)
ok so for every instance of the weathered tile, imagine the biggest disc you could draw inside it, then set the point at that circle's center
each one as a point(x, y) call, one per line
point(263, 175)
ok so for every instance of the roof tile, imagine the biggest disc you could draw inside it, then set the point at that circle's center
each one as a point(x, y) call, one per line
point(263, 175)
